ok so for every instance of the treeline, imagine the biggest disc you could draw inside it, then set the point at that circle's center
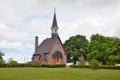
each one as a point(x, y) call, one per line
point(104, 49)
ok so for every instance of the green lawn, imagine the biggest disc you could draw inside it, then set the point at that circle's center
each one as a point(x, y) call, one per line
point(58, 74)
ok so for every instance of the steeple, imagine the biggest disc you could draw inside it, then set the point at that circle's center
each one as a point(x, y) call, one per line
point(54, 27)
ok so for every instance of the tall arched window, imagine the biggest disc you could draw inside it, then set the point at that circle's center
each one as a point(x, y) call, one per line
point(57, 58)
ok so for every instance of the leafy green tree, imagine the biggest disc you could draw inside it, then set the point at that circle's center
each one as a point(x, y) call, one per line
point(114, 51)
point(76, 46)
point(1, 59)
point(104, 49)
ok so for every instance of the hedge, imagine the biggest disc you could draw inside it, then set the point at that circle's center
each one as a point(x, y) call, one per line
point(59, 66)
point(109, 67)
point(34, 65)
point(100, 67)
point(3, 65)
point(79, 66)
point(53, 65)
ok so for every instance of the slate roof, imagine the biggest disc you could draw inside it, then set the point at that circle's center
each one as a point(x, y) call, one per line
point(46, 45)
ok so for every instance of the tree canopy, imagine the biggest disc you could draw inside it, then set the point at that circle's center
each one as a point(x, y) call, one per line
point(104, 49)
point(75, 46)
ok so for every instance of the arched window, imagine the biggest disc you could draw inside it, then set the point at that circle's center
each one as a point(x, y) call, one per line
point(57, 55)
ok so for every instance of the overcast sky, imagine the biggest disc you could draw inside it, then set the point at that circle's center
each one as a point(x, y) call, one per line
point(22, 20)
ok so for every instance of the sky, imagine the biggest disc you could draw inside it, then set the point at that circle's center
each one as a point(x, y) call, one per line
point(22, 20)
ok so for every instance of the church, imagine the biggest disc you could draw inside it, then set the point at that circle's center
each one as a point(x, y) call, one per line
point(51, 50)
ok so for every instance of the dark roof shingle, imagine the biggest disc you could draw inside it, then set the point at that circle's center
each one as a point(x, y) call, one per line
point(45, 46)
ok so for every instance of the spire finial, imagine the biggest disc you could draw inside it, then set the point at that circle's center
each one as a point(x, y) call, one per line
point(54, 10)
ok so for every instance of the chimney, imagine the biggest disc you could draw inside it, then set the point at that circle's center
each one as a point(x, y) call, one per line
point(36, 43)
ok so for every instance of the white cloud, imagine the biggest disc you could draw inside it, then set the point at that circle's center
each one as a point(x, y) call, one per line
point(92, 25)
point(40, 26)
point(22, 20)
point(5, 44)
point(12, 34)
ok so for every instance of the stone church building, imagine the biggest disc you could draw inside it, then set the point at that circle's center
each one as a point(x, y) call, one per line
point(51, 50)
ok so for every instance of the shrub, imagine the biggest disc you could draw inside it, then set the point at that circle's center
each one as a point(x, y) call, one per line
point(78, 66)
point(21, 65)
point(35, 64)
point(13, 63)
point(94, 64)
point(53, 65)
point(27, 65)
point(109, 67)
point(81, 61)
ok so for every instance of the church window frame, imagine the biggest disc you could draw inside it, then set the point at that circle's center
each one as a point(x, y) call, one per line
point(57, 55)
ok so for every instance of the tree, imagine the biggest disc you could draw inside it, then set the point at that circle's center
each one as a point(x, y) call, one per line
point(114, 51)
point(76, 46)
point(1, 59)
point(104, 49)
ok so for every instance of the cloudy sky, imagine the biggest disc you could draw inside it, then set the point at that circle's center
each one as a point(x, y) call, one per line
point(22, 20)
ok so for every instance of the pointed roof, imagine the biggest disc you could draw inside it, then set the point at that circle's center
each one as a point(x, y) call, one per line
point(54, 24)
point(45, 46)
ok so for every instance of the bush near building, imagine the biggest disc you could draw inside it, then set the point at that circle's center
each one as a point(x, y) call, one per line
point(94, 64)
point(13, 63)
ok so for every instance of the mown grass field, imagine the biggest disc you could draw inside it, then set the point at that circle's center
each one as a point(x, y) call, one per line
point(58, 74)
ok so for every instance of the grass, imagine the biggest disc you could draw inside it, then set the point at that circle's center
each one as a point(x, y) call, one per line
point(58, 74)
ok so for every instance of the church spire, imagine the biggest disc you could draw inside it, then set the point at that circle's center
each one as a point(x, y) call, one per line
point(54, 27)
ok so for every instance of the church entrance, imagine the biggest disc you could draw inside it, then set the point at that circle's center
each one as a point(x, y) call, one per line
point(57, 58)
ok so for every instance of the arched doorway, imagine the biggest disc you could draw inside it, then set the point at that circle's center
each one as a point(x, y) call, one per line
point(57, 58)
